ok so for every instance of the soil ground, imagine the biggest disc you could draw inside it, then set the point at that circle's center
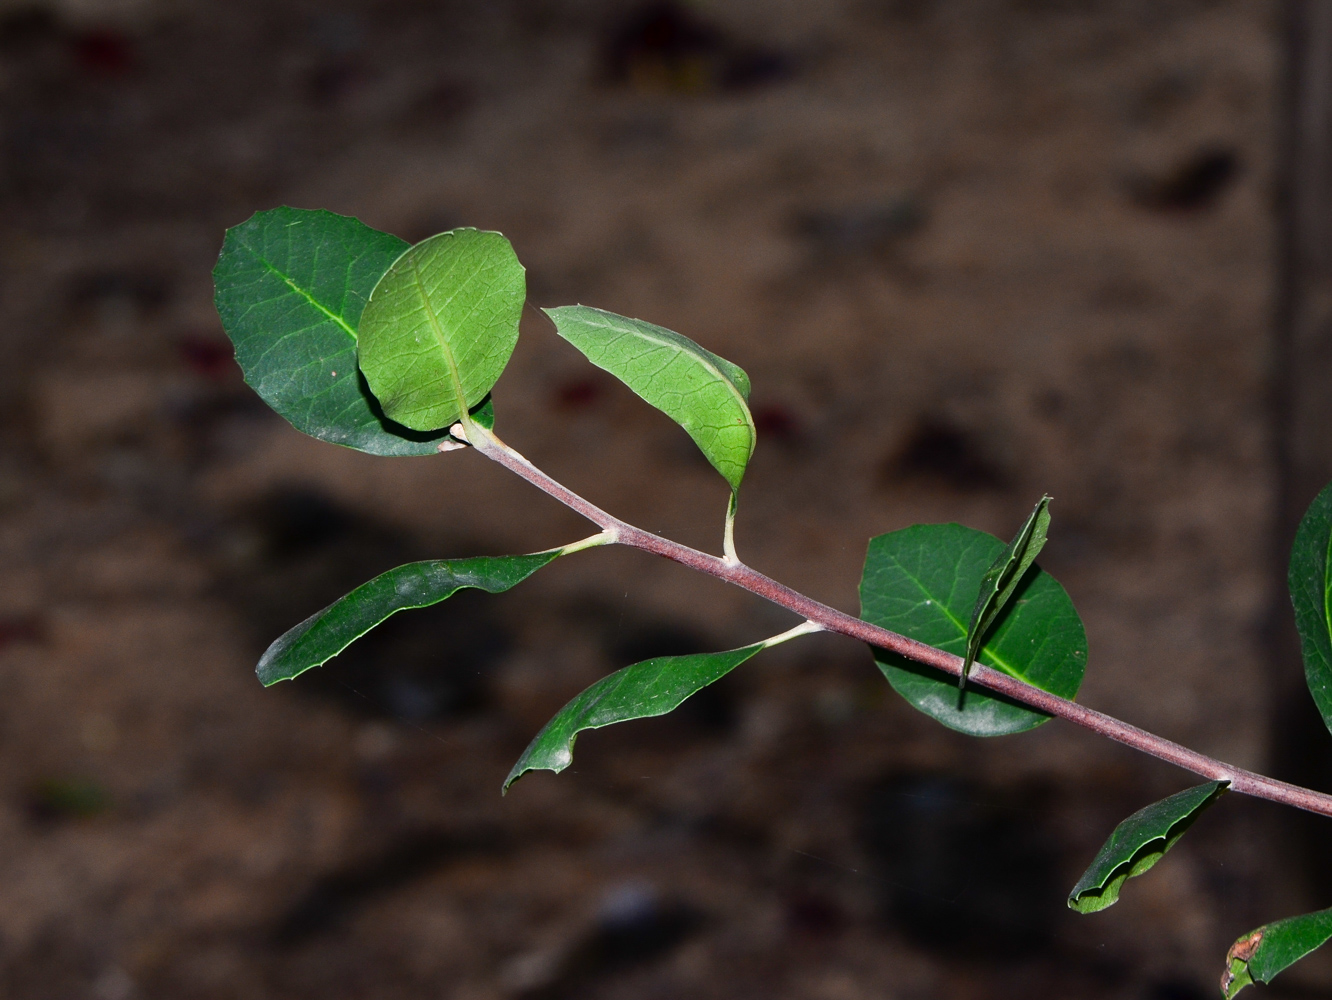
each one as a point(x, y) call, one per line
point(968, 252)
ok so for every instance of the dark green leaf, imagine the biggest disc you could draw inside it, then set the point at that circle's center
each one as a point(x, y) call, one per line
point(706, 395)
point(1138, 843)
point(291, 285)
point(440, 326)
point(921, 582)
point(1311, 591)
point(1002, 578)
point(327, 633)
point(639, 691)
point(1261, 954)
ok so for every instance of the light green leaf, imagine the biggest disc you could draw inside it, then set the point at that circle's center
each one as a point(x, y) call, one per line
point(1259, 955)
point(639, 691)
point(1002, 578)
point(441, 325)
point(1138, 843)
point(706, 395)
point(290, 288)
point(1311, 591)
point(327, 633)
point(921, 582)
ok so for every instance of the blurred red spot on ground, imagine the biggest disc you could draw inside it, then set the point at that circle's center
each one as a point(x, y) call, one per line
point(777, 422)
point(577, 395)
point(103, 52)
point(208, 356)
point(27, 628)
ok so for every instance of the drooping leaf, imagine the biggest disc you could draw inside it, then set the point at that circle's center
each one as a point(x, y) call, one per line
point(921, 582)
point(290, 288)
point(706, 395)
point(1138, 843)
point(1259, 955)
point(440, 326)
point(1001, 580)
point(1311, 591)
point(639, 691)
point(327, 633)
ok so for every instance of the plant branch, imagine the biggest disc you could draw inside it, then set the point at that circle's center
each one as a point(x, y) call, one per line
point(737, 573)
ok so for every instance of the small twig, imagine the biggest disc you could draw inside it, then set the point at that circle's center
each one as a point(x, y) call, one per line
point(735, 572)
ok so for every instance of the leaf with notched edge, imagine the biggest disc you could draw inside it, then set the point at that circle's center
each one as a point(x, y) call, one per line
point(1138, 843)
point(291, 286)
point(1259, 955)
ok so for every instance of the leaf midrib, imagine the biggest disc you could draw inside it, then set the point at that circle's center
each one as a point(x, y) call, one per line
point(450, 361)
point(303, 293)
point(1327, 590)
point(998, 661)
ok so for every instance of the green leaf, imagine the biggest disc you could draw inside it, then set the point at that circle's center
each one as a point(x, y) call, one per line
point(291, 285)
point(1002, 578)
point(1311, 591)
point(1259, 955)
point(706, 395)
point(921, 582)
point(440, 326)
point(639, 691)
point(327, 633)
point(1138, 843)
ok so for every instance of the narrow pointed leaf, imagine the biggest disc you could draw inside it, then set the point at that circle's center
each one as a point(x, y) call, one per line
point(639, 691)
point(290, 288)
point(706, 395)
point(327, 633)
point(1138, 843)
point(1311, 591)
point(1259, 955)
point(1002, 578)
point(921, 582)
point(441, 325)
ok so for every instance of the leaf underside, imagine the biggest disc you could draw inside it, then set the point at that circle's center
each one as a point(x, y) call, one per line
point(705, 394)
point(1002, 579)
point(1138, 843)
point(1310, 581)
point(639, 691)
point(441, 325)
point(921, 582)
point(291, 285)
point(1272, 948)
point(326, 633)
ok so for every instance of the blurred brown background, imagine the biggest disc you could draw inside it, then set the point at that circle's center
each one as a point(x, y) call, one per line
point(968, 251)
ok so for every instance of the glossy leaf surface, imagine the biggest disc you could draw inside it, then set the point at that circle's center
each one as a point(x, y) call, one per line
point(326, 633)
point(1272, 948)
point(1138, 843)
point(1002, 578)
point(706, 395)
point(639, 691)
point(1311, 591)
point(921, 582)
point(441, 325)
point(291, 285)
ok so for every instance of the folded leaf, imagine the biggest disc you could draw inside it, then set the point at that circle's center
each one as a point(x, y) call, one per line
point(1002, 578)
point(706, 395)
point(1311, 591)
point(1138, 843)
point(921, 582)
point(441, 325)
point(1259, 955)
point(327, 633)
point(639, 691)
point(291, 285)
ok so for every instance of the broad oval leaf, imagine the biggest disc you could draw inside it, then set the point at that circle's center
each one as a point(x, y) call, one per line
point(706, 395)
point(638, 691)
point(291, 285)
point(921, 581)
point(1259, 955)
point(441, 325)
point(327, 633)
point(1138, 843)
point(1311, 591)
